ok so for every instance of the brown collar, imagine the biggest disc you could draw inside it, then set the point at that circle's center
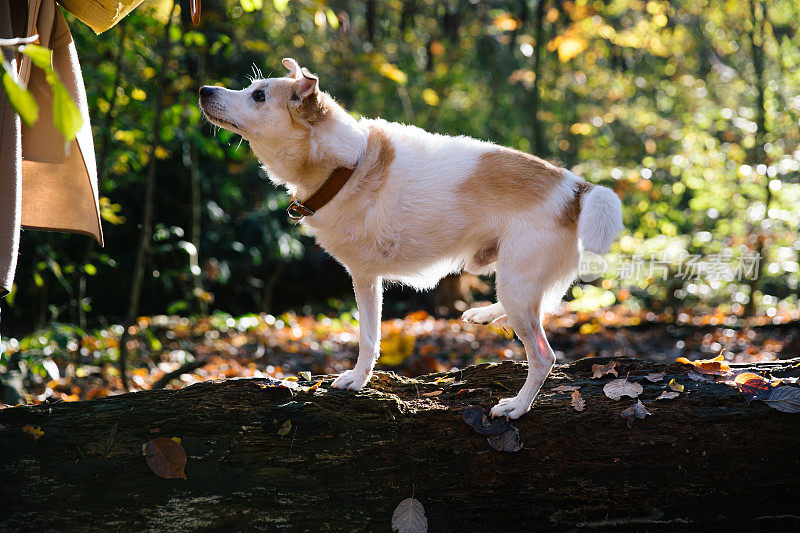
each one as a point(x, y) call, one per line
point(323, 195)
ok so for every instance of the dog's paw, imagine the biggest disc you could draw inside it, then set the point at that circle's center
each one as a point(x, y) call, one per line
point(484, 315)
point(352, 379)
point(511, 408)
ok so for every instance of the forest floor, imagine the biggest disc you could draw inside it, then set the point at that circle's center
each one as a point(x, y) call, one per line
point(63, 363)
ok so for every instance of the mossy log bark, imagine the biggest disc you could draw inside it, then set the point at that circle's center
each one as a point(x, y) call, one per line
point(701, 460)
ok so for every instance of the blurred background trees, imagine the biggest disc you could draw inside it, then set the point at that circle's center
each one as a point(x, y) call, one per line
point(688, 109)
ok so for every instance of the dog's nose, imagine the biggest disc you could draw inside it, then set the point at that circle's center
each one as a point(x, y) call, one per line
point(206, 91)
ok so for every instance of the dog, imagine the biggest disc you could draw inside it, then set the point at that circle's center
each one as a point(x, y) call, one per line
point(396, 203)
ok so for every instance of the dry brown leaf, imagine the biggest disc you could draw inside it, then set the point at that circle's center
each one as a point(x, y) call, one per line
point(786, 399)
point(752, 386)
point(444, 380)
point(506, 442)
point(599, 371)
point(434, 393)
point(716, 366)
point(166, 457)
point(618, 388)
point(633, 412)
point(668, 395)
point(565, 388)
point(409, 517)
point(655, 376)
point(677, 387)
point(694, 376)
point(286, 427)
point(577, 401)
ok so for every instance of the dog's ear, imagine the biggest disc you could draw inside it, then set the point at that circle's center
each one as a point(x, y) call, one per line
point(307, 85)
point(294, 68)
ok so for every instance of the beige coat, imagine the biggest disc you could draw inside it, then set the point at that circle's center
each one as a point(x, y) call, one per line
point(42, 185)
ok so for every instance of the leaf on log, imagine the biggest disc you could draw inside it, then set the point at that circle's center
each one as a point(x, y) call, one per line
point(786, 399)
point(633, 412)
point(409, 517)
point(577, 401)
point(694, 376)
point(507, 442)
point(286, 427)
point(655, 376)
point(716, 366)
point(674, 385)
point(432, 393)
point(618, 388)
point(752, 386)
point(668, 395)
point(34, 432)
point(306, 375)
point(565, 388)
point(599, 371)
point(476, 418)
point(166, 457)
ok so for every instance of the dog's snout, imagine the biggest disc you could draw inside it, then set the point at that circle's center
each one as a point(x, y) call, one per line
point(206, 91)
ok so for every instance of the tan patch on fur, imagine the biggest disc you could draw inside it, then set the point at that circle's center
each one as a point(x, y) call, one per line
point(486, 255)
point(506, 178)
point(572, 210)
point(374, 169)
point(314, 108)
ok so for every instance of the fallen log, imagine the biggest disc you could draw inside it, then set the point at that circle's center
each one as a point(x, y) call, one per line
point(345, 460)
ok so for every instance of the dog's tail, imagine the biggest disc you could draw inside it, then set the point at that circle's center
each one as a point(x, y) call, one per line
point(600, 219)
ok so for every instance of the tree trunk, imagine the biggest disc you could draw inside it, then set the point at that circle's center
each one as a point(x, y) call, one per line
point(704, 459)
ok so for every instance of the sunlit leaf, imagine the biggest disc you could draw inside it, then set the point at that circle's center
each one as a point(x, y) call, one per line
point(66, 115)
point(22, 101)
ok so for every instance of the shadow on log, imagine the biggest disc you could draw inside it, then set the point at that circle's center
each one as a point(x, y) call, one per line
point(700, 461)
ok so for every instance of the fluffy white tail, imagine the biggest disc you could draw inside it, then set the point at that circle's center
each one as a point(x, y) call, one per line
point(600, 220)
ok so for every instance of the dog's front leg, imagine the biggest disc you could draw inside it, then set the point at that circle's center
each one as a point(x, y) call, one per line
point(369, 297)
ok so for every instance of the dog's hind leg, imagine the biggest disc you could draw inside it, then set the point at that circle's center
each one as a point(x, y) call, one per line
point(484, 315)
point(525, 276)
point(369, 298)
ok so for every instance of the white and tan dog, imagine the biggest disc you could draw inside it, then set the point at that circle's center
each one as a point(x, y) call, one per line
point(420, 205)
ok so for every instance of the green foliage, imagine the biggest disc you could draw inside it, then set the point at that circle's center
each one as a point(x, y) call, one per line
point(21, 100)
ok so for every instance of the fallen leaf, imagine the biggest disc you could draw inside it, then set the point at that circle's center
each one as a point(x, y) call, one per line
point(752, 386)
point(444, 380)
point(577, 401)
point(786, 399)
point(409, 517)
point(677, 387)
point(565, 388)
point(599, 371)
point(506, 442)
point(306, 375)
point(478, 421)
point(655, 376)
point(166, 458)
point(633, 412)
point(34, 432)
point(668, 395)
point(618, 388)
point(716, 366)
point(694, 376)
point(286, 427)
point(315, 386)
point(433, 393)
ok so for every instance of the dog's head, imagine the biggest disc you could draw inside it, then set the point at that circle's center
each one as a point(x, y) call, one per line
point(268, 109)
point(291, 125)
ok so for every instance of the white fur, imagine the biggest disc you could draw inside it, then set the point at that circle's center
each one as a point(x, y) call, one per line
point(415, 229)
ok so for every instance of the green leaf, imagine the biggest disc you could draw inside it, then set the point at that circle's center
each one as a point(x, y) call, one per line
point(21, 100)
point(90, 269)
point(251, 5)
point(66, 115)
point(280, 5)
point(333, 20)
point(40, 56)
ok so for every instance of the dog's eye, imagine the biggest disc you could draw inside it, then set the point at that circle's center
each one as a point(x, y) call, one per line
point(258, 95)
